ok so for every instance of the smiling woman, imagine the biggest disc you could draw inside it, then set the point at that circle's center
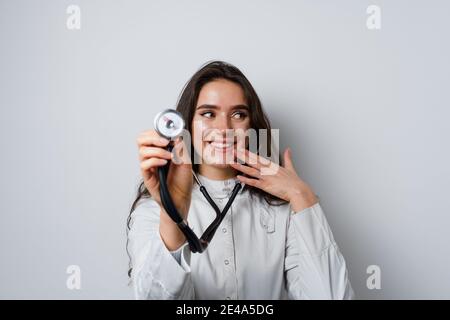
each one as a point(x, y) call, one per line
point(275, 242)
point(221, 108)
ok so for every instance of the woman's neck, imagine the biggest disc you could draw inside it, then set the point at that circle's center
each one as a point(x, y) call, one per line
point(217, 173)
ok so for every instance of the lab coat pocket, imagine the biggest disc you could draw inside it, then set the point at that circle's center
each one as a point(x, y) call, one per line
point(267, 219)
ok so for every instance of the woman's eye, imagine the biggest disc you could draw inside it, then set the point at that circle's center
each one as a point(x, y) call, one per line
point(239, 115)
point(207, 114)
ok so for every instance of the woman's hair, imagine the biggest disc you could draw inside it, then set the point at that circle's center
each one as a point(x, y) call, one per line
point(215, 70)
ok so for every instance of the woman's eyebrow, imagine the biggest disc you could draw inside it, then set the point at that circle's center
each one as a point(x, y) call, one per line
point(212, 106)
point(207, 106)
point(240, 106)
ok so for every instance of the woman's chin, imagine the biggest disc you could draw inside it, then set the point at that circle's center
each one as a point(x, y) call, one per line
point(220, 165)
point(218, 162)
point(219, 159)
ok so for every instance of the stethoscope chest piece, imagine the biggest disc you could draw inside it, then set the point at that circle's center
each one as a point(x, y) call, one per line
point(169, 124)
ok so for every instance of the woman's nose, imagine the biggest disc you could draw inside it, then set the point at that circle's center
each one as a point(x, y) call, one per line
point(223, 122)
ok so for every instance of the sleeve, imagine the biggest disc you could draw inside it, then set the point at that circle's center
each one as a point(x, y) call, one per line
point(314, 267)
point(156, 273)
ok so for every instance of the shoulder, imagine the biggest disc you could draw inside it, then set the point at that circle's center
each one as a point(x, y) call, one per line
point(146, 202)
point(146, 209)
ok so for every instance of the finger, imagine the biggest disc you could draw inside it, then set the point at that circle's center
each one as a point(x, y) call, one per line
point(152, 163)
point(252, 159)
point(151, 140)
point(249, 181)
point(288, 164)
point(154, 152)
point(149, 169)
point(247, 170)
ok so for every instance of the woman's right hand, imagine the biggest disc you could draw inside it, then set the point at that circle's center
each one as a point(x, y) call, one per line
point(152, 154)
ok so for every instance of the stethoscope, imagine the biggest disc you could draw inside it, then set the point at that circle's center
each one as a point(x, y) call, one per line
point(170, 124)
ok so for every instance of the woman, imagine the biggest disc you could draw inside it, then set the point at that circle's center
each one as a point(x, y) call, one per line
point(274, 242)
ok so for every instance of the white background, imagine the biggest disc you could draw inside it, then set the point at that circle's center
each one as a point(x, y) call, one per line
point(365, 112)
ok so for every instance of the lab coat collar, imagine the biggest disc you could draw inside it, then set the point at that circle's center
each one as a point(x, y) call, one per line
point(218, 189)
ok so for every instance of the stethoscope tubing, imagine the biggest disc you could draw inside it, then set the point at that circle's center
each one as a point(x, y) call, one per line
point(196, 245)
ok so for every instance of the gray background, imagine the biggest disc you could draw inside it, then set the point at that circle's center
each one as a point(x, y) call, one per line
point(365, 112)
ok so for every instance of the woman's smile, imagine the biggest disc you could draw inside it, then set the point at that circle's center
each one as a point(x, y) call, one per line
point(222, 146)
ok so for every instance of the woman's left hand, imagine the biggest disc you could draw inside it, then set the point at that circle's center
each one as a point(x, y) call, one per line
point(280, 181)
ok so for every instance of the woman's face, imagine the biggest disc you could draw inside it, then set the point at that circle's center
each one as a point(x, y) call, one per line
point(221, 113)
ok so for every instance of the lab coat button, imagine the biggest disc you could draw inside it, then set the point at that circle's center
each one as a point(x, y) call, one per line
point(224, 230)
point(227, 262)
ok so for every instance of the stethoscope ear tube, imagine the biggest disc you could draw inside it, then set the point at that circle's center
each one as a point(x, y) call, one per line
point(211, 230)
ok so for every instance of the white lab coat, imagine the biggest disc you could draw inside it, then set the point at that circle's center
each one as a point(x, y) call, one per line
point(258, 252)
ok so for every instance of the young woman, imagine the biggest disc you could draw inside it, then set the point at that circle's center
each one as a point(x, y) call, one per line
point(274, 242)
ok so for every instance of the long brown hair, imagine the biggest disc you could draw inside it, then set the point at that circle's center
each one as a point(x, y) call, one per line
point(215, 70)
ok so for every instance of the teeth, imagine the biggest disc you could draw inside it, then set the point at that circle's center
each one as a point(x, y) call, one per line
point(221, 145)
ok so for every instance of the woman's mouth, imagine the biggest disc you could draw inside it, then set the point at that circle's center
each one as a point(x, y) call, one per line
point(222, 147)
